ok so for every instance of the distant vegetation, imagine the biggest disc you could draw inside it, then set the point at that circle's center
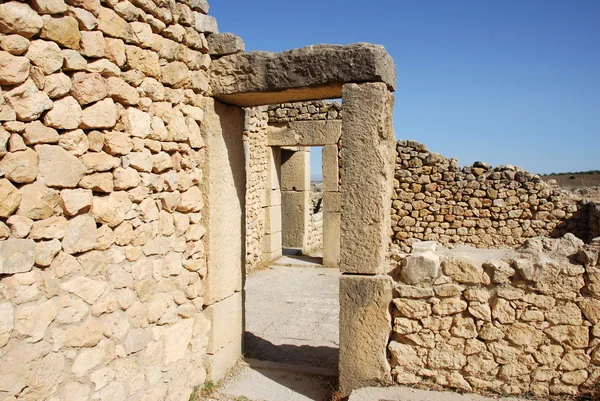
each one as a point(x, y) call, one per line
point(574, 173)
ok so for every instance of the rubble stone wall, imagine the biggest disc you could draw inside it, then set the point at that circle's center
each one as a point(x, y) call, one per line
point(314, 241)
point(305, 111)
point(436, 200)
point(519, 322)
point(101, 253)
point(594, 219)
point(257, 188)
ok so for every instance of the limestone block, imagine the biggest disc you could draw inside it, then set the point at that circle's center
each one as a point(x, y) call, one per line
point(62, 30)
point(19, 18)
point(332, 202)
point(273, 219)
point(13, 69)
point(295, 218)
point(50, 228)
point(368, 157)
point(122, 92)
point(46, 55)
point(220, 363)
point(112, 25)
point(305, 133)
point(86, 20)
point(267, 78)
point(28, 101)
point(205, 23)
point(39, 201)
point(421, 268)
point(58, 168)
point(102, 114)
point(274, 167)
point(73, 61)
point(222, 44)
point(145, 61)
point(272, 243)
point(81, 234)
point(223, 190)
point(365, 329)
point(49, 6)
point(19, 225)
point(65, 114)
point(10, 198)
point(330, 166)
point(16, 255)
point(92, 44)
point(111, 209)
point(226, 322)
point(114, 51)
point(464, 270)
point(295, 170)
point(273, 197)
point(331, 238)
point(14, 44)
point(20, 167)
point(57, 85)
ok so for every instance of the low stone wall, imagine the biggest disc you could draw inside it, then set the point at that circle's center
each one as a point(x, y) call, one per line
point(436, 200)
point(305, 111)
point(512, 322)
point(594, 219)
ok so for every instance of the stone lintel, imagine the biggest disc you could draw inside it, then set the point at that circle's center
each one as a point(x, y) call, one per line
point(368, 156)
point(365, 328)
point(309, 73)
point(305, 133)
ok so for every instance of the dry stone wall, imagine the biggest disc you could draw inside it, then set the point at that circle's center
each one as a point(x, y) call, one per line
point(436, 200)
point(511, 322)
point(101, 253)
point(314, 241)
point(594, 219)
point(305, 111)
point(257, 188)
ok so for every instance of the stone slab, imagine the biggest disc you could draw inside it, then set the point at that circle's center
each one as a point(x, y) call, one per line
point(295, 170)
point(365, 329)
point(220, 363)
point(274, 197)
point(226, 322)
point(331, 168)
point(331, 239)
point(368, 157)
point(332, 202)
point(295, 218)
point(259, 78)
point(305, 133)
point(272, 243)
point(413, 394)
point(273, 219)
point(274, 167)
point(224, 199)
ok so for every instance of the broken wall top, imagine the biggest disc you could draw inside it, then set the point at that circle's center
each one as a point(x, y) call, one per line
point(308, 73)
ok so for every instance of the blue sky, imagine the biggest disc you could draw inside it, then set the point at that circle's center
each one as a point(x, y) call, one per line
point(502, 81)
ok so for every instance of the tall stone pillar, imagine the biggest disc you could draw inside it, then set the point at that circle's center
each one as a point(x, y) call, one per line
point(224, 191)
point(295, 196)
point(332, 206)
point(272, 239)
point(367, 159)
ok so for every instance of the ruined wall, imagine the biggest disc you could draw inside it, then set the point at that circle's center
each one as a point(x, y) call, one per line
point(101, 259)
point(305, 111)
point(435, 200)
point(257, 184)
point(594, 219)
point(314, 240)
point(516, 322)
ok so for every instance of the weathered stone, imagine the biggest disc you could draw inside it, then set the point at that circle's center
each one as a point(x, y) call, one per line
point(449, 306)
point(85, 288)
point(463, 270)
point(87, 334)
point(39, 201)
point(413, 309)
point(50, 228)
point(20, 167)
point(75, 201)
point(46, 55)
point(331, 66)
point(75, 142)
point(575, 336)
point(73, 61)
point(191, 200)
point(65, 114)
point(36, 132)
point(102, 114)
point(421, 268)
point(81, 234)
point(88, 87)
point(591, 309)
point(145, 61)
point(122, 92)
point(141, 161)
point(87, 360)
point(46, 251)
point(445, 357)
point(10, 198)
point(222, 44)
point(92, 44)
point(32, 320)
point(104, 67)
point(100, 161)
point(16, 256)
point(19, 226)
point(14, 44)
point(205, 23)
point(49, 6)
point(62, 30)
point(87, 21)
point(114, 51)
point(503, 311)
point(111, 24)
point(13, 69)
point(6, 322)
point(174, 73)
point(19, 18)
point(111, 209)
point(28, 101)
point(58, 168)
point(117, 143)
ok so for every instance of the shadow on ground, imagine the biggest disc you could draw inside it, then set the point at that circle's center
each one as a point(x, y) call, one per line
point(302, 355)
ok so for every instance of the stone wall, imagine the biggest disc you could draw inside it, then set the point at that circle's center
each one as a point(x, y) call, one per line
point(257, 184)
point(594, 219)
point(436, 200)
point(510, 322)
point(305, 111)
point(102, 263)
point(314, 242)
